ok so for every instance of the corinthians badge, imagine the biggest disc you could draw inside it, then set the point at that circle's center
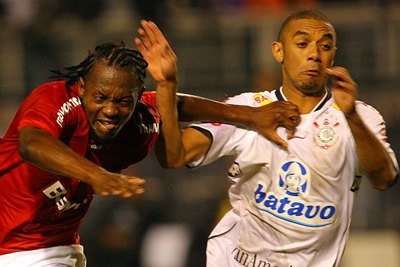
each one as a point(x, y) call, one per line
point(326, 136)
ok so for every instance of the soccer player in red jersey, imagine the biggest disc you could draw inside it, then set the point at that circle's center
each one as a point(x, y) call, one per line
point(71, 138)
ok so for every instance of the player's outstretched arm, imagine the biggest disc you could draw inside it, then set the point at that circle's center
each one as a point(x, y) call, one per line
point(265, 119)
point(374, 158)
point(47, 152)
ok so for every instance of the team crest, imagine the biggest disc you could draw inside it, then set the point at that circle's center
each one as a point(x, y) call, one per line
point(293, 178)
point(326, 136)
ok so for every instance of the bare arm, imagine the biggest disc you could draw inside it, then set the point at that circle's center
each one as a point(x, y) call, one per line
point(264, 119)
point(47, 152)
point(374, 159)
point(173, 148)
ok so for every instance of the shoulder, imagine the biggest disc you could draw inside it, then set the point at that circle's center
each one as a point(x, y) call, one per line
point(361, 107)
point(252, 98)
point(364, 107)
point(53, 94)
point(370, 115)
point(50, 88)
point(149, 98)
point(146, 108)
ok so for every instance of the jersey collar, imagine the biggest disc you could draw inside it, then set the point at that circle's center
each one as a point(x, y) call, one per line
point(281, 97)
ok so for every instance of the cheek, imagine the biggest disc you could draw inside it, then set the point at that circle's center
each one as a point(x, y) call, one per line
point(126, 113)
point(91, 110)
point(292, 62)
point(328, 58)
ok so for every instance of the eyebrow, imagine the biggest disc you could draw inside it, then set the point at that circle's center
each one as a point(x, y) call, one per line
point(297, 33)
point(325, 36)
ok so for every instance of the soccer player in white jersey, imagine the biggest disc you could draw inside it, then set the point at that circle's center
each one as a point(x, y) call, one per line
point(290, 207)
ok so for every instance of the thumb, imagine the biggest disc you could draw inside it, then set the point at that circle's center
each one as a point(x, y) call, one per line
point(274, 137)
point(290, 132)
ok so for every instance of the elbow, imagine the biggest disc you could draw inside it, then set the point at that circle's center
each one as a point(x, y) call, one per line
point(391, 182)
point(25, 148)
point(30, 143)
point(381, 186)
point(170, 159)
point(386, 181)
point(169, 162)
point(170, 166)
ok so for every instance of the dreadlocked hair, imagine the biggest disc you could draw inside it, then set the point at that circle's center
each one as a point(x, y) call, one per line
point(113, 54)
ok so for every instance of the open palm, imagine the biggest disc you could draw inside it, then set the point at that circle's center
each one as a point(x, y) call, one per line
point(157, 52)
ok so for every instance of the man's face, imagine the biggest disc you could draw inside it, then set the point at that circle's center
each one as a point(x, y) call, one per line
point(308, 48)
point(109, 99)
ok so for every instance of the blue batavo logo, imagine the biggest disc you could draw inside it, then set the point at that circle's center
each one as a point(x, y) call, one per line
point(291, 205)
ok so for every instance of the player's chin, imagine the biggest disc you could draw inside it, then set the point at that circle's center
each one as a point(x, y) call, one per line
point(105, 136)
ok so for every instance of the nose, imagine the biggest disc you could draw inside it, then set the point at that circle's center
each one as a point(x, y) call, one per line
point(110, 109)
point(314, 53)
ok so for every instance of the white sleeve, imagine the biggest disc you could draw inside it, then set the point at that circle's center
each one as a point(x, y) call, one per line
point(224, 137)
point(375, 122)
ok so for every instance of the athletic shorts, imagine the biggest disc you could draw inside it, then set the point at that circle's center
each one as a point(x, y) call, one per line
point(223, 241)
point(60, 256)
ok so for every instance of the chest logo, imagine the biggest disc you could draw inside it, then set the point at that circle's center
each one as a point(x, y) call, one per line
point(326, 135)
point(290, 203)
point(58, 192)
point(149, 128)
point(293, 178)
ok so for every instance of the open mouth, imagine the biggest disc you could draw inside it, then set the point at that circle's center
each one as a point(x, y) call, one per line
point(108, 124)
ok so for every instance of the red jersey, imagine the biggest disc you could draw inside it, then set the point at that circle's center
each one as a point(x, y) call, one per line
point(39, 209)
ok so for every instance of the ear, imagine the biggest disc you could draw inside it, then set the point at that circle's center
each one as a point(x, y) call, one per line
point(81, 87)
point(277, 51)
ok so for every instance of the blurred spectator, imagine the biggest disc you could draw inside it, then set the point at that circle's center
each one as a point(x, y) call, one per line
point(154, 10)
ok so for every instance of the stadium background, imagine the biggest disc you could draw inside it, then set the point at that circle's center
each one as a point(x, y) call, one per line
point(223, 47)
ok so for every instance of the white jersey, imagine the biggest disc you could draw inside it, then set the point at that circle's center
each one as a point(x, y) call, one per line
point(291, 208)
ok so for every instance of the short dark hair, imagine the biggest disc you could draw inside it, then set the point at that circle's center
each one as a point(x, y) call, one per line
point(113, 55)
point(302, 14)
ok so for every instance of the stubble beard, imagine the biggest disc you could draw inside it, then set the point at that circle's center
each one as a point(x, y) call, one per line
point(311, 88)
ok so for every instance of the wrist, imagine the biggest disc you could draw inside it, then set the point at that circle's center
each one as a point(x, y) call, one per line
point(167, 82)
point(352, 115)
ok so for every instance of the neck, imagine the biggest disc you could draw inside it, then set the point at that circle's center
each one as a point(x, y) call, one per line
point(305, 103)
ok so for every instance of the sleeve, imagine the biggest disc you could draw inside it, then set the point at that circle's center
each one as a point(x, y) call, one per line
point(225, 138)
point(375, 122)
point(41, 119)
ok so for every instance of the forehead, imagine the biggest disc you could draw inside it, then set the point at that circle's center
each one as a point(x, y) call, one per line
point(101, 69)
point(101, 73)
point(310, 27)
point(111, 80)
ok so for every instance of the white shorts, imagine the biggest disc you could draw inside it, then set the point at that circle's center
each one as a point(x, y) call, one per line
point(222, 241)
point(61, 256)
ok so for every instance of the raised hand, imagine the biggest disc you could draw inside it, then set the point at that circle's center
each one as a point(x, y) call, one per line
point(157, 52)
point(344, 89)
